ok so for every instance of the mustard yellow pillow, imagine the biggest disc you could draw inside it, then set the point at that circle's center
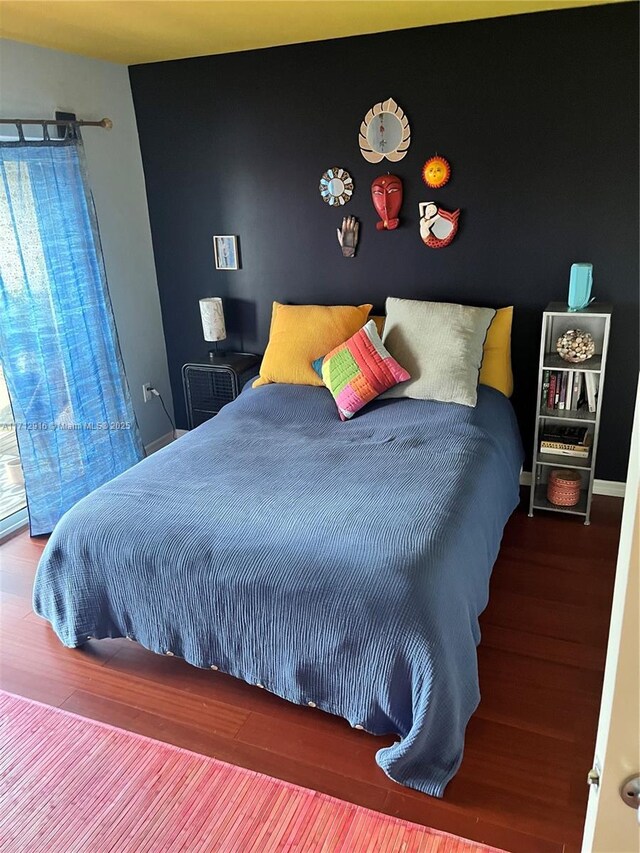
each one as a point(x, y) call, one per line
point(496, 362)
point(379, 321)
point(300, 334)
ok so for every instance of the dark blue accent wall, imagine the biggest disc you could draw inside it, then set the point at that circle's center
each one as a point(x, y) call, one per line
point(538, 115)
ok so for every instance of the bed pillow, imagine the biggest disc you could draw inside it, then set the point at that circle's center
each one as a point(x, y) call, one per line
point(359, 370)
point(440, 344)
point(496, 363)
point(379, 321)
point(496, 368)
point(301, 333)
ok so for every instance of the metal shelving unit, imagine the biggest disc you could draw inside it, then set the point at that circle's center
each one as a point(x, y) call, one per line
point(556, 320)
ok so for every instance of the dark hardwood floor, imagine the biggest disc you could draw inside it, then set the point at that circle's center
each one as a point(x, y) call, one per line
point(521, 786)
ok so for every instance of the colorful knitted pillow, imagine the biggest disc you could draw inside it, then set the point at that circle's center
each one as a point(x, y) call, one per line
point(358, 370)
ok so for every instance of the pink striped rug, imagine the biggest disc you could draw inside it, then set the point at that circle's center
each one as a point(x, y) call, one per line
point(71, 784)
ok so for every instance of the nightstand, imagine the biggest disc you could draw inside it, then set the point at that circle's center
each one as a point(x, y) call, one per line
point(210, 383)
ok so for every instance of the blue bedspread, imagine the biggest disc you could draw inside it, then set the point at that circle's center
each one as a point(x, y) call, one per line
point(341, 564)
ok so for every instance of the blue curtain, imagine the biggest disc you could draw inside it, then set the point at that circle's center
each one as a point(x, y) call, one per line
point(58, 344)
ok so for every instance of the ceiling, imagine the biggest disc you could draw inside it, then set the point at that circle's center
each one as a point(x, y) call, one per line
point(133, 31)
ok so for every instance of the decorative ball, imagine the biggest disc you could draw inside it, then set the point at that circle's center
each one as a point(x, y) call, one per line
point(576, 346)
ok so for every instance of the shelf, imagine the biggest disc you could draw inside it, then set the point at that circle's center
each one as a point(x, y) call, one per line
point(562, 461)
point(540, 502)
point(557, 320)
point(594, 309)
point(552, 361)
point(583, 415)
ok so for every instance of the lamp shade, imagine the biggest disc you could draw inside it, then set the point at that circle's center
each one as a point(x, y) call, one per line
point(212, 315)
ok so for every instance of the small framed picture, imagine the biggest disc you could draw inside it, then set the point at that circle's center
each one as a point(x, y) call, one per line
point(225, 249)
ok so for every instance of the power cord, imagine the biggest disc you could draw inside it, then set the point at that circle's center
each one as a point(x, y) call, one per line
point(157, 394)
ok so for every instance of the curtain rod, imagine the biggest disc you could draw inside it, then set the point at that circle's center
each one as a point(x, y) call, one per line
point(104, 122)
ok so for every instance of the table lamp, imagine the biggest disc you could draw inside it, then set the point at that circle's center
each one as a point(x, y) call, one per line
point(213, 328)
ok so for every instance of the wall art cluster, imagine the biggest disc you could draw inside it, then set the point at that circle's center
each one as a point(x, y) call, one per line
point(385, 133)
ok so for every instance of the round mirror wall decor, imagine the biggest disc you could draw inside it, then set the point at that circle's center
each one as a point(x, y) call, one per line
point(385, 132)
point(336, 186)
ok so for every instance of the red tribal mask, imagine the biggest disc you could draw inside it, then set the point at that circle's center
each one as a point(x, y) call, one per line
point(386, 193)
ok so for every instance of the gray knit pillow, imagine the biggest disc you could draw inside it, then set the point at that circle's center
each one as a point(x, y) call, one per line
point(440, 345)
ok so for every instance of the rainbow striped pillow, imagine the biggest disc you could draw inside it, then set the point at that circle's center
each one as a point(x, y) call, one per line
point(359, 370)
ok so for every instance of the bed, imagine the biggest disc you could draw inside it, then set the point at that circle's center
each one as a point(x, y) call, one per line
point(338, 565)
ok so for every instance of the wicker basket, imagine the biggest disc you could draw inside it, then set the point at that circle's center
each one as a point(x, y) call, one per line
point(564, 486)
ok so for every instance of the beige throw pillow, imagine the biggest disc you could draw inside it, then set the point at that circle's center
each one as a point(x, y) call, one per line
point(440, 345)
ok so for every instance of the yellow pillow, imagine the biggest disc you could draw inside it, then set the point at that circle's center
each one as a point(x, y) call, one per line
point(496, 362)
point(379, 321)
point(300, 334)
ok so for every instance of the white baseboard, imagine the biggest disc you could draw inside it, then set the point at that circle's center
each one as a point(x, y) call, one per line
point(180, 432)
point(159, 443)
point(613, 488)
point(609, 487)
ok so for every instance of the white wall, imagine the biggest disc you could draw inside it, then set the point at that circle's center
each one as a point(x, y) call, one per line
point(34, 82)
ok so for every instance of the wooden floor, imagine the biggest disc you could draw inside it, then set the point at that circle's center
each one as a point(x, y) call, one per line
point(521, 786)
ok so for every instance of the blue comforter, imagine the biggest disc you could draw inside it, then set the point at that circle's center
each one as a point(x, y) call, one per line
point(341, 564)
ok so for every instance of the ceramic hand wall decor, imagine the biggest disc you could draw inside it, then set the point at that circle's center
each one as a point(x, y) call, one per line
point(336, 186)
point(385, 132)
point(438, 227)
point(386, 194)
point(348, 236)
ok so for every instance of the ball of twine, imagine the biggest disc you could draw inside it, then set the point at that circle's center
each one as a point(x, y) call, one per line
point(576, 346)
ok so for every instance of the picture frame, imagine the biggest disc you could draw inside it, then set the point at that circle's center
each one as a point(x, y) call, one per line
point(225, 251)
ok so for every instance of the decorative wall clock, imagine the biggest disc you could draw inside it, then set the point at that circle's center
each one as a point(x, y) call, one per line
point(336, 186)
point(385, 132)
point(438, 227)
point(386, 194)
point(436, 172)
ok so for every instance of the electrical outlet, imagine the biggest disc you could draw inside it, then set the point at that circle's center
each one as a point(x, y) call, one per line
point(147, 389)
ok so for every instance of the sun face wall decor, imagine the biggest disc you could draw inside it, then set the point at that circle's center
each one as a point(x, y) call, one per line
point(386, 194)
point(436, 172)
point(336, 186)
point(385, 132)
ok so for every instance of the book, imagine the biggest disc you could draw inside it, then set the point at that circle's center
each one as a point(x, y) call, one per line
point(556, 398)
point(563, 390)
point(567, 448)
point(577, 389)
point(551, 397)
point(545, 387)
point(564, 433)
point(560, 451)
point(590, 382)
point(567, 399)
point(583, 393)
point(561, 445)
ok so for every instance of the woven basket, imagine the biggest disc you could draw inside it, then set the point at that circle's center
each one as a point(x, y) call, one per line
point(563, 488)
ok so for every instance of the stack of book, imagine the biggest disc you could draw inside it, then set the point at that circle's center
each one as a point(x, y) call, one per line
point(562, 440)
point(569, 390)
